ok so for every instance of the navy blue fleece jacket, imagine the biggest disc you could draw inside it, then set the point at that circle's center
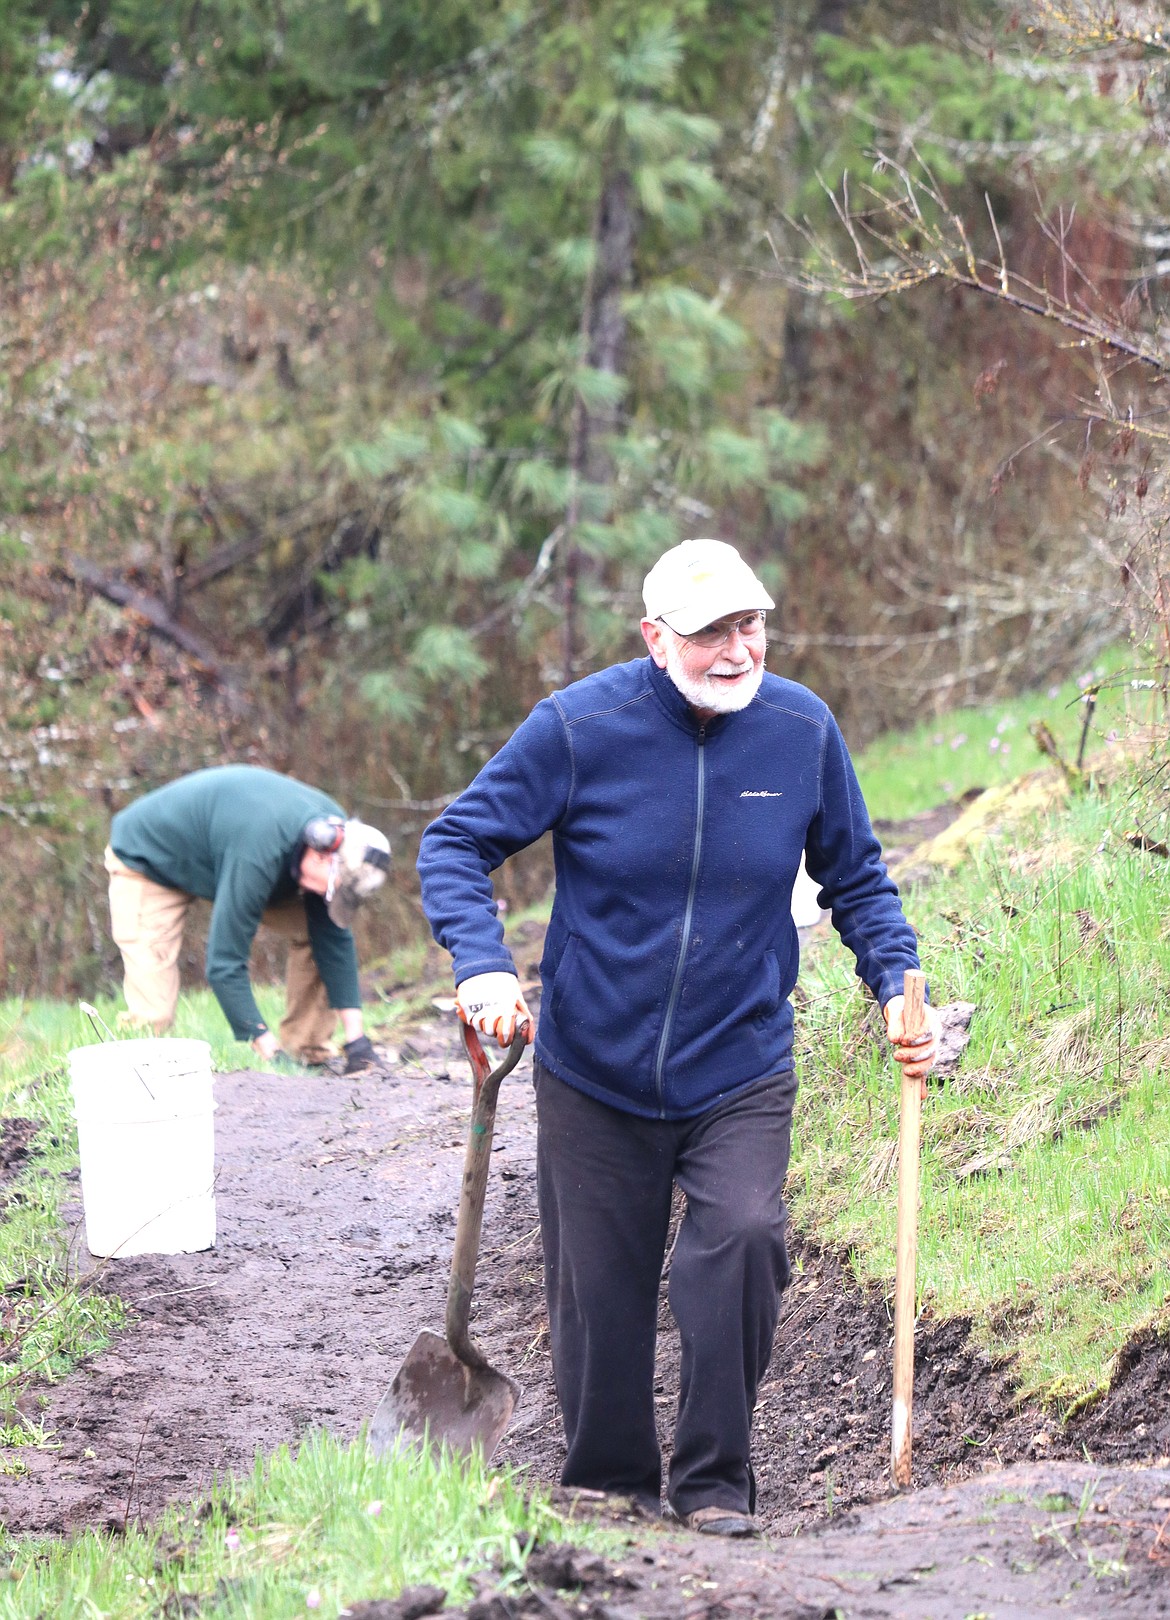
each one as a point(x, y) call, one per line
point(671, 952)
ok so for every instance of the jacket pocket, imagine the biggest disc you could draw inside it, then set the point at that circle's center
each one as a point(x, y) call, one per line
point(768, 999)
point(562, 977)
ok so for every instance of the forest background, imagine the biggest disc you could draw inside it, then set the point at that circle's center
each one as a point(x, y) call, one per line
point(358, 356)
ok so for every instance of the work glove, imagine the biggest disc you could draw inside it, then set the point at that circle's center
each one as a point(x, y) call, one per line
point(359, 1055)
point(494, 1004)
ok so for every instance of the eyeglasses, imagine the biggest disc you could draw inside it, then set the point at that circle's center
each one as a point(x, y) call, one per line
point(715, 635)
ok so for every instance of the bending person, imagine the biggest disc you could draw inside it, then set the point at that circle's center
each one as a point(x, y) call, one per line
point(266, 850)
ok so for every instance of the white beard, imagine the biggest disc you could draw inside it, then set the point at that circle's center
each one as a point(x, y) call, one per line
point(707, 692)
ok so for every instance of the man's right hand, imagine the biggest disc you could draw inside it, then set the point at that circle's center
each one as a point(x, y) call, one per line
point(494, 1004)
point(916, 1053)
point(266, 1044)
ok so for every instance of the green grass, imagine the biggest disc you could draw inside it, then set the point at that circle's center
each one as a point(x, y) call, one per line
point(37, 1036)
point(1045, 1180)
point(51, 1317)
point(309, 1532)
point(939, 760)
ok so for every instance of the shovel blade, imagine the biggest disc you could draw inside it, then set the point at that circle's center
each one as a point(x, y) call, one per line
point(435, 1397)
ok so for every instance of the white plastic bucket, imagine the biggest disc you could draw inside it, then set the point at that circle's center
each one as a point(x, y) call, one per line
point(145, 1130)
point(806, 905)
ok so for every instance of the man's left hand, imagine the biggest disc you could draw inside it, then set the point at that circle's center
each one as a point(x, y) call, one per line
point(916, 1053)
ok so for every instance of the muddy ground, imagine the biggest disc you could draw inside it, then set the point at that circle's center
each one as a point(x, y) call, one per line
point(335, 1203)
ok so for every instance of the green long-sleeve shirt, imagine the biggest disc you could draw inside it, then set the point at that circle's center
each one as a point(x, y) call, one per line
point(228, 835)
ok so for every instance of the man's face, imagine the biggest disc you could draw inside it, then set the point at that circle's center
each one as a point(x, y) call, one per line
point(714, 680)
point(316, 871)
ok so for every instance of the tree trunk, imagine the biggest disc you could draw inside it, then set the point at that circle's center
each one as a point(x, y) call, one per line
point(603, 330)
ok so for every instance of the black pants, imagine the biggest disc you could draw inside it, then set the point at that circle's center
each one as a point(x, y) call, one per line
point(604, 1181)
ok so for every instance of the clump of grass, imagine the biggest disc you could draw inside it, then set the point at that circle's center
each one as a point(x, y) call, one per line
point(51, 1317)
point(312, 1530)
point(1044, 1214)
point(1069, 1045)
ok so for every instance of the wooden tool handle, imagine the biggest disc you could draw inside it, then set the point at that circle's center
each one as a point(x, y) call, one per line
point(905, 1280)
point(474, 1188)
point(914, 1005)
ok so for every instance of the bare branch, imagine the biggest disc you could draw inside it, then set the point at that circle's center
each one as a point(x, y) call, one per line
point(153, 612)
point(529, 586)
point(1003, 270)
point(921, 239)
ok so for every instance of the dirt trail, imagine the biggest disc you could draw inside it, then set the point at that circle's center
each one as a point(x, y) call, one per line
point(335, 1202)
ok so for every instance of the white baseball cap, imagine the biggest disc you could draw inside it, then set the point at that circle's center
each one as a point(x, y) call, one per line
point(362, 861)
point(699, 581)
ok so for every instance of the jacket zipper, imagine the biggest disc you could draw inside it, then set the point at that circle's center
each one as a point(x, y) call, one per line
point(688, 916)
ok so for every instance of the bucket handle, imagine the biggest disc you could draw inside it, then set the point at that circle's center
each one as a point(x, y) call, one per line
point(96, 1019)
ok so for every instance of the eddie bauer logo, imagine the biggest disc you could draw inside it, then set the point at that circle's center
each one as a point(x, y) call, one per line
point(760, 793)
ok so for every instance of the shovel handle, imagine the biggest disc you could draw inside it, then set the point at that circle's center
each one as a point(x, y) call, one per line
point(476, 1162)
point(906, 1264)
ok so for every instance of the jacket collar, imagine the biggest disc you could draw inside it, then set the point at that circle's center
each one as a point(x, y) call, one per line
point(675, 706)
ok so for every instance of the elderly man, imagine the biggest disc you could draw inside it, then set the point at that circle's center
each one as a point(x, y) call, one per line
point(681, 790)
point(264, 849)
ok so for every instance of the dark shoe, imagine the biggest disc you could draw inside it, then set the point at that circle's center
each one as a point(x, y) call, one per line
point(720, 1521)
point(360, 1056)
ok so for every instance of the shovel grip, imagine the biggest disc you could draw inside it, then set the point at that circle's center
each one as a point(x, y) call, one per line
point(476, 1162)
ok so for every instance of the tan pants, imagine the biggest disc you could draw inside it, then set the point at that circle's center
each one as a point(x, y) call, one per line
point(147, 924)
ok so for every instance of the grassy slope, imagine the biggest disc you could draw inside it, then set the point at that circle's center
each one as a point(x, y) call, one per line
point(1045, 1211)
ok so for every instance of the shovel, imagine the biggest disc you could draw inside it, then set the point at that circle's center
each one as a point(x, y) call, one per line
point(445, 1392)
